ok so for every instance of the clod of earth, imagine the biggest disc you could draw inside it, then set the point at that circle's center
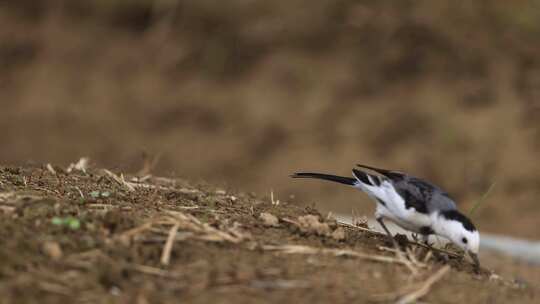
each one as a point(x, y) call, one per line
point(269, 219)
point(52, 250)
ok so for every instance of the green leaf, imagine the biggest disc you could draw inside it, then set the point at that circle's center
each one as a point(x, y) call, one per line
point(57, 221)
point(70, 222)
point(74, 224)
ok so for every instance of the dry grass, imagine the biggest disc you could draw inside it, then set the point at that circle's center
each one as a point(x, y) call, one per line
point(414, 292)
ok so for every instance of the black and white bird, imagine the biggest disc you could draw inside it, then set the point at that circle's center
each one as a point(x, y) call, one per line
point(411, 203)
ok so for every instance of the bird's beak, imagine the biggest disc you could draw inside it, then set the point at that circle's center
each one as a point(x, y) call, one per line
point(474, 257)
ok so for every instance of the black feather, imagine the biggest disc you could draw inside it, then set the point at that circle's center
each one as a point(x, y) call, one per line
point(416, 193)
point(362, 177)
point(426, 230)
point(413, 201)
point(459, 217)
point(393, 175)
point(375, 179)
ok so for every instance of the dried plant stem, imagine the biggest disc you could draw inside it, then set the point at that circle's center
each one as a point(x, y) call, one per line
point(424, 289)
point(119, 180)
point(301, 249)
point(153, 271)
point(166, 254)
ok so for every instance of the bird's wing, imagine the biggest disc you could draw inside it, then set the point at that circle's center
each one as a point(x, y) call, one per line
point(392, 175)
point(419, 194)
point(416, 193)
point(440, 201)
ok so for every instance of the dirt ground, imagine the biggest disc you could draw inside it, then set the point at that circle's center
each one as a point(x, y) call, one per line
point(97, 236)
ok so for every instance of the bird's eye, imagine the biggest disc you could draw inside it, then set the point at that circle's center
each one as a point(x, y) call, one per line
point(464, 240)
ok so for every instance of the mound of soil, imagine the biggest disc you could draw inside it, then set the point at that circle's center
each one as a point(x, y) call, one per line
point(95, 236)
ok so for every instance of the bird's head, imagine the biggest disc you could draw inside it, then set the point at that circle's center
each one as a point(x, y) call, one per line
point(460, 231)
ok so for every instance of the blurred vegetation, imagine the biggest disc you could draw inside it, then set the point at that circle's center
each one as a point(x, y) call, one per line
point(247, 91)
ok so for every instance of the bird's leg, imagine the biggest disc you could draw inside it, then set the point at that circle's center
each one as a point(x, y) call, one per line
point(400, 255)
point(425, 240)
point(381, 222)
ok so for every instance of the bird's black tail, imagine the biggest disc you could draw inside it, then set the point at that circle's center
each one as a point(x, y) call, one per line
point(334, 178)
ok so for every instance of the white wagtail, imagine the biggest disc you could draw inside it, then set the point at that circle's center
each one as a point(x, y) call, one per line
point(413, 204)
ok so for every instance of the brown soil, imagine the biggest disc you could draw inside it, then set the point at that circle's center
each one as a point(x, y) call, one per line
point(223, 250)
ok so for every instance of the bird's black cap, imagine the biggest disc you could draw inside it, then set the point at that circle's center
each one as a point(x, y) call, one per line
point(459, 217)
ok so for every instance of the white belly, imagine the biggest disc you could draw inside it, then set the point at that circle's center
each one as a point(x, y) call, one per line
point(406, 219)
point(394, 208)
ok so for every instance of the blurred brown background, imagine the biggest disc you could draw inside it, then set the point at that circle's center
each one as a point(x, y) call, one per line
point(242, 93)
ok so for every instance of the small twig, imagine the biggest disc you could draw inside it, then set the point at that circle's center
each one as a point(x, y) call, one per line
point(119, 180)
point(136, 230)
point(80, 192)
point(153, 271)
point(50, 169)
point(141, 179)
point(300, 249)
point(54, 288)
point(274, 203)
point(361, 228)
point(428, 256)
point(424, 289)
point(180, 236)
point(211, 233)
point(290, 221)
point(166, 254)
point(401, 257)
point(411, 254)
point(383, 248)
point(47, 190)
point(188, 207)
point(81, 165)
point(97, 205)
point(149, 186)
point(482, 199)
point(409, 263)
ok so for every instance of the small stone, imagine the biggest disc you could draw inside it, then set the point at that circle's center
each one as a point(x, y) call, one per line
point(338, 234)
point(52, 250)
point(494, 277)
point(376, 274)
point(269, 219)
